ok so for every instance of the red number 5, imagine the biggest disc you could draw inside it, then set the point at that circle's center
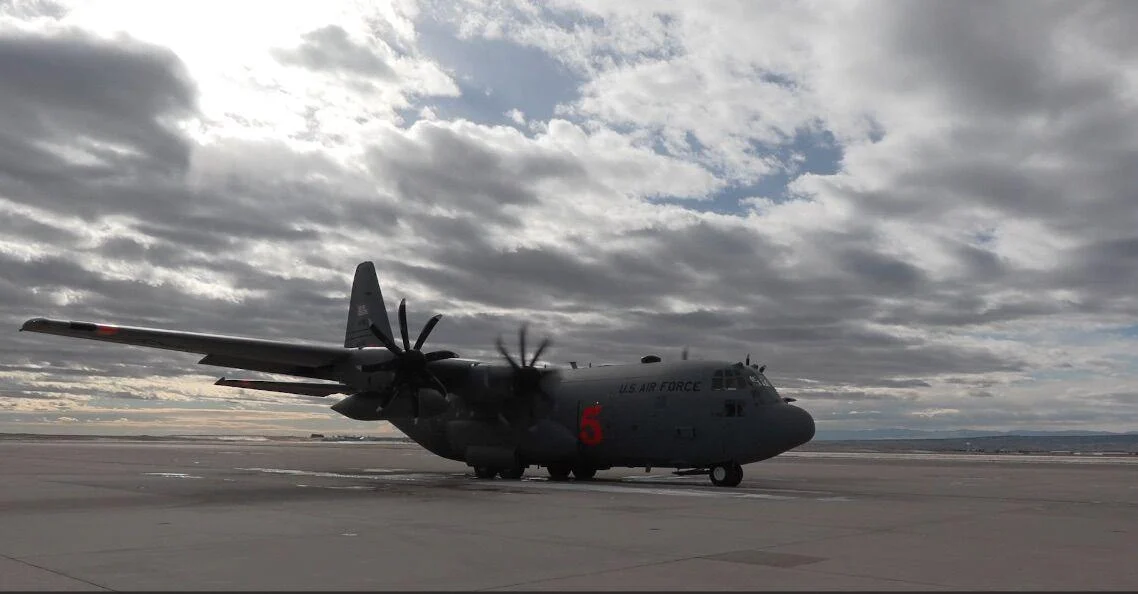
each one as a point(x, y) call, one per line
point(591, 433)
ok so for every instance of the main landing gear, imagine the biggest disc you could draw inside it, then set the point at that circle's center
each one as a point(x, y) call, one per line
point(559, 471)
point(729, 474)
point(488, 472)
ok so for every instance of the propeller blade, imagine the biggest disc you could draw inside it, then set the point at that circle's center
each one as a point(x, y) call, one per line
point(427, 330)
point(403, 323)
point(684, 354)
point(437, 384)
point(748, 359)
point(506, 354)
point(540, 348)
point(387, 342)
point(529, 389)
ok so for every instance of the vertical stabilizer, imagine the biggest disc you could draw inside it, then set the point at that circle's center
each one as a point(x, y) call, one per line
point(366, 308)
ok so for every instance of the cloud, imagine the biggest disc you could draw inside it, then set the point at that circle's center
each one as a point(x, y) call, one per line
point(330, 48)
point(907, 210)
point(24, 10)
point(82, 103)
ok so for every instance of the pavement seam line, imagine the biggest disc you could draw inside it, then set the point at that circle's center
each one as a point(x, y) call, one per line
point(52, 571)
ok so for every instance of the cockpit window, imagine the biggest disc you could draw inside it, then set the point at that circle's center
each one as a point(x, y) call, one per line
point(762, 380)
point(738, 377)
point(729, 379)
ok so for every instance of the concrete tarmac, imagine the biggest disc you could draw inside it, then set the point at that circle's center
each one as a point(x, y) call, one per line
point(185, 515)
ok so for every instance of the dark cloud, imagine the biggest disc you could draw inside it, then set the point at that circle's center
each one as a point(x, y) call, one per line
point(856, 395)
point(439, 165)
point(116, 100)
point(1105, 269)
point(329, 49)
point(885, 272)
point(448, 212)
point(895, 383)
point(1130, 398)
point(995, 59)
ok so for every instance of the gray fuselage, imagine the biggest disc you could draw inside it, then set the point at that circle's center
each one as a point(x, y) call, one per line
point(687, 414)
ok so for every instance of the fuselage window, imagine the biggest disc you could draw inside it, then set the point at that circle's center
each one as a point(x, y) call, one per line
point(733, 408)
point(717, 380)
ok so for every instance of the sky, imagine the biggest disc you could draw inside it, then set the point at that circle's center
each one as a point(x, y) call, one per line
point(917, 214)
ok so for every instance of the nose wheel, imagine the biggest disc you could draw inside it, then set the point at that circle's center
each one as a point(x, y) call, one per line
point(729, 474)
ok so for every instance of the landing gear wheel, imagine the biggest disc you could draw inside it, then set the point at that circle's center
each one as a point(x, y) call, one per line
point(726, 475)
point(485, 472)
point(584, 473)
point(558, 471)
point(513, 473)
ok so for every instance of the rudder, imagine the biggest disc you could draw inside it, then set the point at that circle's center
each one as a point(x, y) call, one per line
point(366, 307)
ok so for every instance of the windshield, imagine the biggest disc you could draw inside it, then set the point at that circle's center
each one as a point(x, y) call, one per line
point(731, 378)
point(738, 377)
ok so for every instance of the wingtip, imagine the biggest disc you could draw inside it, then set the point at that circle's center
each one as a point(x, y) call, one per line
point(33, 324)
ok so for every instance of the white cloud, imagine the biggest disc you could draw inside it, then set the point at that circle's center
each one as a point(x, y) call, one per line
point(978, 218)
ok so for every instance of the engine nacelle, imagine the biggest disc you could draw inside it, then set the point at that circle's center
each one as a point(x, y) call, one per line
point(367, 406)
point(371, 356)
point(431, 403)
point(370, 381)
point(363, 406)
point(488, 386)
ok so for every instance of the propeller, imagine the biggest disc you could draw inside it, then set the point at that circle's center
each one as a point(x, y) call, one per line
point(528, 383)
point(410, 362)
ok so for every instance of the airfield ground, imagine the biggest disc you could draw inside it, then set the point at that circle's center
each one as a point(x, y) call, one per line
point(122, 514)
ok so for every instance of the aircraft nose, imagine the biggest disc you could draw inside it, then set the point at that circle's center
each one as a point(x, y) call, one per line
point(800, 427)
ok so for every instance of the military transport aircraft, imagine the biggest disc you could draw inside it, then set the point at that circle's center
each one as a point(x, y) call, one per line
point(698, 417)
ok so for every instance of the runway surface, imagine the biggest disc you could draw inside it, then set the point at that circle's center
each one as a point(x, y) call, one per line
point(127, 515)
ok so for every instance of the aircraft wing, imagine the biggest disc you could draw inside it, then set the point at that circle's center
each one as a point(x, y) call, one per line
point(306, 388)
point(249, 353)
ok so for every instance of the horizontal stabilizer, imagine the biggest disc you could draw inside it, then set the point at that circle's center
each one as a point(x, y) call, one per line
point(306, 388)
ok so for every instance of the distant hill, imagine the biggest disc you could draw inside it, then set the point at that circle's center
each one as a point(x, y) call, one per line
point(871, 434)
point(1022, 443)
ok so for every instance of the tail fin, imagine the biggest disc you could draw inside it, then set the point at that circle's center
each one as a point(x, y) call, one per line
point(366, 308)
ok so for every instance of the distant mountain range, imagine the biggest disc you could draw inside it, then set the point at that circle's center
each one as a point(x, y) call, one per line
point(872, 434)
